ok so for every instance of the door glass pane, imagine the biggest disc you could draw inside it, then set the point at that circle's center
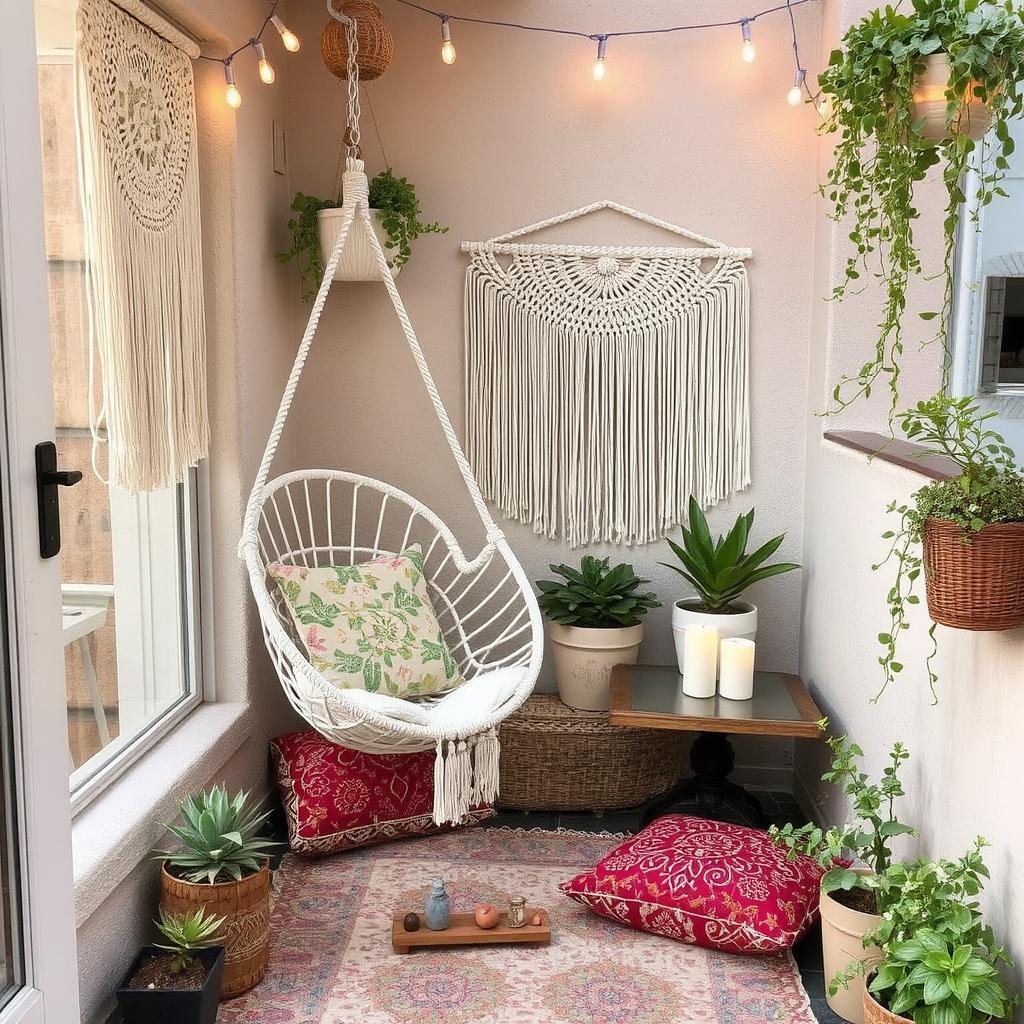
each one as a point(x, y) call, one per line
point(123, 583)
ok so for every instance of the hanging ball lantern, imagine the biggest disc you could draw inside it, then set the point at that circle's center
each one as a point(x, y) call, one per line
point(376, 47)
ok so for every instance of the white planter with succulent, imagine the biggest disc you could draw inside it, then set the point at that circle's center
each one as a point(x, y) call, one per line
point(720, 571)
point(593, 624)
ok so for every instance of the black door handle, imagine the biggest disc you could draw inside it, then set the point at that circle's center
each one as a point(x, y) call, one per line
point(48, 479)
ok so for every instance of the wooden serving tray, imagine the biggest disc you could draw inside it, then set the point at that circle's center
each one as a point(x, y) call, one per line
point(464, 931)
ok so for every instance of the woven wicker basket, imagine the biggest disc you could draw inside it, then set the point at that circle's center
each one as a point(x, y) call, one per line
point(554, 758)
point(376, 47)
point(978, 584)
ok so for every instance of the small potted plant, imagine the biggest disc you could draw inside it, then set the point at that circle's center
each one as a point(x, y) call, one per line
point(965, 533)
point(176, 981)
point(854, 856)
point(395, 211)
point(720, 571)
point(594, 624)
point(936, 960)
point(223, 868)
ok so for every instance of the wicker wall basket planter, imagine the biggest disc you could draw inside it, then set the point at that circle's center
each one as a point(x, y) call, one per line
point(554, 758)
point(376, 47)
point(979, 584)
point(974, 118)
point(245, 905)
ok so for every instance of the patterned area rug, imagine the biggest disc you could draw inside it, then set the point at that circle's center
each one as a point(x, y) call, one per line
point(331, 960)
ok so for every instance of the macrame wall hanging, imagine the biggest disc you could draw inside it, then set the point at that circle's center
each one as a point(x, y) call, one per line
point(606, 384)
point(135, 108)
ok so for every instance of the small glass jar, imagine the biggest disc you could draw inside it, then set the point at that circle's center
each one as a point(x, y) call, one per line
point(516, 911)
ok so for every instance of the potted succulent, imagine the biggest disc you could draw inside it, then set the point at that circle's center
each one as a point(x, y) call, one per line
point(965, 533)
point(937, 961)
point(720, 571)
point(176, 981)
point(223, 868)
point(854, 856)
point(395, 209)
point(594, 622)
point(908, 90)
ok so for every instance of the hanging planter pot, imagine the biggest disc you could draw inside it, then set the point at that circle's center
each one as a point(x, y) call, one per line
point(375, 45)
point(975, 582)
point(974, 118)
point(358, 261)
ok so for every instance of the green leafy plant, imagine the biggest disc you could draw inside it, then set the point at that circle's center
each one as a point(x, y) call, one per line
point(881, 156)
point(868, 833)
point(220, 836)
point(720, 571)
point(595, 596)
point(185, 934)
point(988, 490)
point(399, 207)
point(940, 963)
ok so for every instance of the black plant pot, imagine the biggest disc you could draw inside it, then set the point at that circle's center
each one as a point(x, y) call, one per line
point(173, 1006)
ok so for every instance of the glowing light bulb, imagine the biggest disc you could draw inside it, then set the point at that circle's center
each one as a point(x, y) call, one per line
point(288, 38)
point(796, 94)
point(232, 95)
point(748, 52)
point(266, 70)
point(599, 68)
point(447, 47)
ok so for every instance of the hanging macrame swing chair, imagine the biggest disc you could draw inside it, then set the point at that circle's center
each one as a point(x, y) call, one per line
point(325, 517)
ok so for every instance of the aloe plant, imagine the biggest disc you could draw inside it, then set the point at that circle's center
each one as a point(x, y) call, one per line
point(720, 571)
point(595, 596)
point(184, 934)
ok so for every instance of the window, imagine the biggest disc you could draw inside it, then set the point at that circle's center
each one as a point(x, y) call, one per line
point(128, 572)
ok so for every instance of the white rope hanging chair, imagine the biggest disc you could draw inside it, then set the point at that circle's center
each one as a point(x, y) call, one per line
point(324, 517)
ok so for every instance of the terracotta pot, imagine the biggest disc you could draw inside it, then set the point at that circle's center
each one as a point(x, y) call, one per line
point(358, 261)
point(585, 657)
point(684, 613)
point(978, 584)
point(974, 117)
point(245, 905)
point(876, 1013)
point(842, 934)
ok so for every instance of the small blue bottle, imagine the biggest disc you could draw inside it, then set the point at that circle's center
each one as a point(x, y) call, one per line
point(438, 908)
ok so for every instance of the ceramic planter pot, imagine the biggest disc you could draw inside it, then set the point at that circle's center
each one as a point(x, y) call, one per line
point(742, 624)
point(974, 118)
point(358, 262)
point(842, 935)
point(585, 657)
point(245, 906)
point(976, 585)
point(173, 1006)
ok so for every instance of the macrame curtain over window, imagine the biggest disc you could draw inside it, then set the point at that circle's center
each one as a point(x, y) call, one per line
point(135, 104)
point(606, 384)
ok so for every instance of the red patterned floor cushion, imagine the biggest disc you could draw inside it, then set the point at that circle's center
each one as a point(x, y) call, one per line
point(708, 883)
point(336, 798)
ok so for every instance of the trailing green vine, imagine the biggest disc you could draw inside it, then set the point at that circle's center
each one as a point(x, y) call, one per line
point(881, 155)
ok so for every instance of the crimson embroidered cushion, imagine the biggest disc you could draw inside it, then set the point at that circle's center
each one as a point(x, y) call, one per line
point(336, 798)
point(370, 626)
point(708, 883)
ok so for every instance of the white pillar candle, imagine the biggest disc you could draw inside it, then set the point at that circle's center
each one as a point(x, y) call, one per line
point(736, 669)
point(700, 660)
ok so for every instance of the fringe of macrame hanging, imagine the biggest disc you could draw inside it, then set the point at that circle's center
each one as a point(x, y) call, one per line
point(145, 287)
point(602, 435)
point(465, 775)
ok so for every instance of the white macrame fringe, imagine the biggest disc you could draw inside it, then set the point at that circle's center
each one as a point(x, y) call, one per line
point(600, 395)
point(465, 775)
point(145, 273)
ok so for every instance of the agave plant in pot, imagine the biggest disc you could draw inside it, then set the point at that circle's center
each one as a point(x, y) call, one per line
point(720, 571)
point(594, 615)
point(223, 868)
point(853, 856)
point(176, 980)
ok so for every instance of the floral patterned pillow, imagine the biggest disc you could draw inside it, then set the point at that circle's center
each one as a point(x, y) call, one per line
point(371, 626)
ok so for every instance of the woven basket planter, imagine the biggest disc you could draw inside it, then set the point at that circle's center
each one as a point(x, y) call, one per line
point(376, 47)
point(554, 758)
point(245, 906)
point(974, 118)
point(977, 584)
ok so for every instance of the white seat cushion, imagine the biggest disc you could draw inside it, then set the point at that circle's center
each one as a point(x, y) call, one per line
point(481, 695)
